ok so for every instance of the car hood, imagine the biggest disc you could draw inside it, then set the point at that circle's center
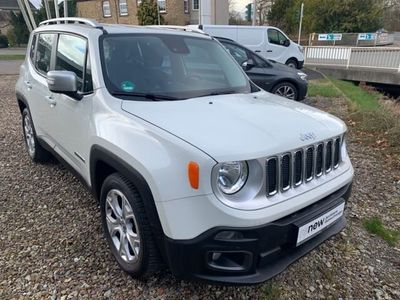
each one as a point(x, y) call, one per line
point(239, 126)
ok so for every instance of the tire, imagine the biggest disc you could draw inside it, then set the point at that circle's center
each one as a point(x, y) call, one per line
point(292, 63)
point(287, 90)
point(36, 152)
point(137, 254)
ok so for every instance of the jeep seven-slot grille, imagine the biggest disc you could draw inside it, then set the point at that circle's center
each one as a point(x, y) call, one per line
point(294, 168)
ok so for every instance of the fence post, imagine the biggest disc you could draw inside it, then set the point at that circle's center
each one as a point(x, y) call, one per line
point(348, 60)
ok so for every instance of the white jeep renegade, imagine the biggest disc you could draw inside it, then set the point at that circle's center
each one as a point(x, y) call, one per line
point(193, 164)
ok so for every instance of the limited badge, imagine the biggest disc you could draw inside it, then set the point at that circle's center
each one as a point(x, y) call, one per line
point(127, 86)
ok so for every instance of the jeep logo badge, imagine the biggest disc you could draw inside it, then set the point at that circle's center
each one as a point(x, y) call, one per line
point(307, 136)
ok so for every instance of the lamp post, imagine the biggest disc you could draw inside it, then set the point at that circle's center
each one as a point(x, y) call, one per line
point(254, 12)
point(301, 21)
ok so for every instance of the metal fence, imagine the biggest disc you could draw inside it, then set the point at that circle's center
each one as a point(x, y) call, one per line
point(387, 58)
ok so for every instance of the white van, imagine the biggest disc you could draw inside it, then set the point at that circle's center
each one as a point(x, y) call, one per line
point(269, 42)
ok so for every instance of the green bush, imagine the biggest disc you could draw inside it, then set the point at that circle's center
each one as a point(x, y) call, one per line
point(3, 41)
point(12, 39)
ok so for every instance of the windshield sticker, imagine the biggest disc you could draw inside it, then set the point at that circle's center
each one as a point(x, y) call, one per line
point(127, 86)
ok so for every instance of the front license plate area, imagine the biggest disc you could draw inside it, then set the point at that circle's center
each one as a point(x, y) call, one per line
point(314, 227)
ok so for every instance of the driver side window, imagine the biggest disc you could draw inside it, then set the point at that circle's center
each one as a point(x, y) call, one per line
point(276, 37)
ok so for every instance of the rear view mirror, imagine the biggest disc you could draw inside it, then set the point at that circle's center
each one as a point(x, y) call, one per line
point(248, 64)
point(63, 82)
point(286, 43)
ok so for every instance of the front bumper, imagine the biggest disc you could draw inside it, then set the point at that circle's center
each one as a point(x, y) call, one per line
point(259, 252)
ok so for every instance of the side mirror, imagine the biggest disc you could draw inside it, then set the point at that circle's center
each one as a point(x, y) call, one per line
point(63, 82)
point(248, 64)
point(286, 43)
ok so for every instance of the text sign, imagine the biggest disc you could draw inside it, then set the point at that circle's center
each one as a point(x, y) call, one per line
point(366, 36)
point(330, 37)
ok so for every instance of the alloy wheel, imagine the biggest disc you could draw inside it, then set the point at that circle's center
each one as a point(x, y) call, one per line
point(122, 226)
point(286, 91)
point(29, 135)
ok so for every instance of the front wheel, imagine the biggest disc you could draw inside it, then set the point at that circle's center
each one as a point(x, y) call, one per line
point(36, 152)
point(292, 63)
point(286, 89)
point(126, 227)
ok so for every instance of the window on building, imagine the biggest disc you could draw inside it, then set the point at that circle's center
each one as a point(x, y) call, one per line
point(195, 4)
point(162, 5)
point(186, 6)
point(123, 8)
point(43, 52)
point(71, 56)
point(106, 9)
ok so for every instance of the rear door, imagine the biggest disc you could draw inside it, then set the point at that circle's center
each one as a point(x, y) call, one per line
point(38, 95)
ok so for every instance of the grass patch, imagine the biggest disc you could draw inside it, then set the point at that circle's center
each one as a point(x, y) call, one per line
point(322, 88)
point(270, 291)
point(375, 226)
point(362, 99)
point(12, 56)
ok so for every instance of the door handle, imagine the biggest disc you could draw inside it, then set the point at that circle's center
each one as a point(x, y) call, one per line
point(269, 50)
point(51, 100)
point(28, 84)
point(257, 51)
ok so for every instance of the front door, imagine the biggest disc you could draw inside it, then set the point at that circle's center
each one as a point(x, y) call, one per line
point(277, 46)
point(73, 115)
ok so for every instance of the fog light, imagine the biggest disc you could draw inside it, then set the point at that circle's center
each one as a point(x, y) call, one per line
point(230, 261)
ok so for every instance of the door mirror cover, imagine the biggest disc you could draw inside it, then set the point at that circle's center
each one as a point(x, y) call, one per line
point(63, 82)
point(286, 43)
point(248, 64)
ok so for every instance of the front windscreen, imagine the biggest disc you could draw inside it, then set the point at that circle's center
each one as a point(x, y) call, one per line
point(169, 66)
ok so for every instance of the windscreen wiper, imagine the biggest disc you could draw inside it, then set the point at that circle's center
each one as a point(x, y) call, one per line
point(153, 97)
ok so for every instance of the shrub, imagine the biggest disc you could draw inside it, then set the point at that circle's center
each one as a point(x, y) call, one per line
point(12, 39)
point(3, 41)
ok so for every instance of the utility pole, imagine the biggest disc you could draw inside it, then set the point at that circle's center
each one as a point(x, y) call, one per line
point(24, 15)
point(199, 12)
point(66, 9)
point(28, 8)
point(254, 12)
point(158, 14)
point(47, 8)
point(301, 21)
point(56, 9)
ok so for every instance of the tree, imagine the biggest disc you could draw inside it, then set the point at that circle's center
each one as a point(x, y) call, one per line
point(328, 15)
point(19, 33)
point(147, 13)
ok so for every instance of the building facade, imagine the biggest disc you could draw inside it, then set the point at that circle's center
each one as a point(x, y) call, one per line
point(174, 12)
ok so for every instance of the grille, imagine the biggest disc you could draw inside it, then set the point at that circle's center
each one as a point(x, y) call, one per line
point(292, 169)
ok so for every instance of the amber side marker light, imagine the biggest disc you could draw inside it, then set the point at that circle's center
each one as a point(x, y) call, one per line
point(193, 174)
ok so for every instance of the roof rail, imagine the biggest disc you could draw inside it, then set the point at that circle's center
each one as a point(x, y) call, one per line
point(89, 22)
point(182, 28)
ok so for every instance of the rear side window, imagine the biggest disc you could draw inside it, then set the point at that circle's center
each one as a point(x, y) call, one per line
point(239, 54)
point(43, 52)
point(71, 56)
point(32, 50)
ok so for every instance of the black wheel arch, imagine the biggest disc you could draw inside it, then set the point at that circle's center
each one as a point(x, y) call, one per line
point(294, 59)
point(22, 103)
point(104, 163)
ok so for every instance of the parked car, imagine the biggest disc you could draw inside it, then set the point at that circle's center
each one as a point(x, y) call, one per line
point(191, 162)
point(271, 76)
point(269, 42)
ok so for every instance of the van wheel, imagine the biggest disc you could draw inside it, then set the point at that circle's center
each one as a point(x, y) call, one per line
point(36, 152)
point(126, 227)
point(292, 63)
point(285, 89)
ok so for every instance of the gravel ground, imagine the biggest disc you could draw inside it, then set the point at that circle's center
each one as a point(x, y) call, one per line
point(52, 247)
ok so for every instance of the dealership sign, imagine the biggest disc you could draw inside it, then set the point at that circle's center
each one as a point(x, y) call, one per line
point(366, 36)
point(330, 37)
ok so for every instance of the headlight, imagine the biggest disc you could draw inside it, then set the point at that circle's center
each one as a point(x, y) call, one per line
point(302, 75)
point(232, 176)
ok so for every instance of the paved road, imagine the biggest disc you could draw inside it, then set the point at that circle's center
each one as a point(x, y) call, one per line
point(13, 51)
point(10, 67)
